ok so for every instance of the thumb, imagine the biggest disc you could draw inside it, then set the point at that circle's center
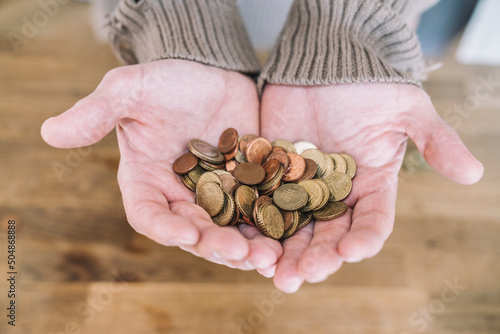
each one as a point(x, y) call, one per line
point(442, 148)
point(87, 122)
point(94, 116)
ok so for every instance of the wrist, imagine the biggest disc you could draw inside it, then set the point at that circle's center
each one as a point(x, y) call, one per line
point(208, 32)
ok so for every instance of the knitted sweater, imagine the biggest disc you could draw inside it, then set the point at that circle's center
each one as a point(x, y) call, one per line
point(322, 41)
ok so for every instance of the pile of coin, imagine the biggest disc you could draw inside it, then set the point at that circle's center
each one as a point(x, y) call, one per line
point(277, 187)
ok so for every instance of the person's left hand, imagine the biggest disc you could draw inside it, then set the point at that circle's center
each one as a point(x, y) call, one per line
point(371, 122)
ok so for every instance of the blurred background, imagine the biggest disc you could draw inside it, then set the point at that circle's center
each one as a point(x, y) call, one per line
point(82, 269)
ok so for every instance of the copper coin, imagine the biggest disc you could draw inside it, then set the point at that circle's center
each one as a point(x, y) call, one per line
point(296, 168)
point(228, 183)
point(232, 154)
point(258, 150)
point(236, 217)
point(185, 163)
point(288, 218)
point(245, 140)
point(271, 167)
point(249, 173)
point(230, 165)
point(228, 141)
point(293, 224)
point(310, 171)
point(279, 155)
point(248, 221)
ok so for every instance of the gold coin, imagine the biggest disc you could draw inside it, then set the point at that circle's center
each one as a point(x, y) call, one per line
point(240, 157)
point(330, 211)
point(245, 197)
point(290, 197)
point(285, 144)
point(340, 186)
point(269, 221)
point(340, 163)
point(188, 183)
point(301, 146)
point(318, 157)
point(258, 202)
point(326, 193)
point(236, 215)
point(208, 177)
point(211, 167)
point(315, 192)
point(205, 151)
point(304, 219)
point(195, 174)
point(226, 215)
point(271, 191)
point(294, 217)
point(329, 166)
point(351, 165)
point(277, 178)
point(210, 197)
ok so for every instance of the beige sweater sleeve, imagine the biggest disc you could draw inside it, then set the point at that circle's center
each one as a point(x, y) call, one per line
point(207, 31)
point(347, 41)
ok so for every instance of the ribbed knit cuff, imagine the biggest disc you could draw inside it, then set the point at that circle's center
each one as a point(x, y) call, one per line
point(345, 41)
point(207, 31)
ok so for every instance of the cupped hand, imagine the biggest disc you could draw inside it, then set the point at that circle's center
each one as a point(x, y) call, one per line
point(371, 122)
point(157, 108)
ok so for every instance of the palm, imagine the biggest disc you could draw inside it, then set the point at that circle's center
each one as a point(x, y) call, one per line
point(158, 107)
point(372, 123)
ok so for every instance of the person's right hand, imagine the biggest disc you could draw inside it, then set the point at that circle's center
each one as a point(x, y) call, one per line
point(157, 108)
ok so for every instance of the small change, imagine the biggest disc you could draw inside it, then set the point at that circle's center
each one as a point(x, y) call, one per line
point(277, 187)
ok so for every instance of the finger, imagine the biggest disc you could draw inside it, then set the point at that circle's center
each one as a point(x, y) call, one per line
point(183, 222)
point(149, 212)
point(442, 148)
point(287, 277)
point(372, 217)
point(321, 258)
point(264, 251)
point(225, 244)
point(94, 116)
point(267, 272)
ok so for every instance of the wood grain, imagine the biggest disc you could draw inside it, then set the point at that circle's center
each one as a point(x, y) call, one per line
point(83, 269)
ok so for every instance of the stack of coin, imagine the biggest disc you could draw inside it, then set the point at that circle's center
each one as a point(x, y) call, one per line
point(276, 187)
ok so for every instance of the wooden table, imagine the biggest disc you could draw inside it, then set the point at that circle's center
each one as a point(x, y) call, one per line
point(82, 269)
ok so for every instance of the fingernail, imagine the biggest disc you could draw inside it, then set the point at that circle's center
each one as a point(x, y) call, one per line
point(293, 284)
point(187, 241)
point(249, 264)
point(352, 260)
point(317, 280)
point(268, 273)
